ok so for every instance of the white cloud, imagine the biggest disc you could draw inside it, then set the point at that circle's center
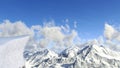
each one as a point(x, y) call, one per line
point(70, 38)
point(52, 33)
point(112, 36)
point(57, 35)
point(43, 43)
point(61, 36)
point(17, 28)
point(65, 28)
point(111, 33)
point(36, 27)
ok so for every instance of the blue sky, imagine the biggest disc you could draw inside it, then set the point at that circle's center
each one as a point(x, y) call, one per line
point(89, 14)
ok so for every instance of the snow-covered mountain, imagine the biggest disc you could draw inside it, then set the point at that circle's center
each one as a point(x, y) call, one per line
point(91, 56)
point(11, 51)
point(12, 55)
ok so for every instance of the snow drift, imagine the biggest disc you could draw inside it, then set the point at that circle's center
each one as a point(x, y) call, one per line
point(11, 51)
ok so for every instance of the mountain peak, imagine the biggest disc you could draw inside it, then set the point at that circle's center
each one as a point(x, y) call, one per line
point(74, 57)
point(70, 52)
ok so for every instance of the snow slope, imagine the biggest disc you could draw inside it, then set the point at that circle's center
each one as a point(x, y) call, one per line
point(91, 56)
point(11, 51)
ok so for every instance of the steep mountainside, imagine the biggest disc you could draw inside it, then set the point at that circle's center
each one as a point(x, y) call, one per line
point(11, 51)
point(90, 56)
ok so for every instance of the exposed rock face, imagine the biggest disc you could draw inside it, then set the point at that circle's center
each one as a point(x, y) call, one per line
point(91, 56)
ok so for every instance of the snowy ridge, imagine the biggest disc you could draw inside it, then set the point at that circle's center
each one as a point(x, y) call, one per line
point(90, 56)
point(38, 58)
point(11, 52)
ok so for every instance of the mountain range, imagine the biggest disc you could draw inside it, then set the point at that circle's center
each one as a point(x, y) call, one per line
point(13, 55)
point(90, 56)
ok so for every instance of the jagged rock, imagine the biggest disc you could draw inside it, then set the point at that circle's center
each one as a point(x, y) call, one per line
point(91, 56)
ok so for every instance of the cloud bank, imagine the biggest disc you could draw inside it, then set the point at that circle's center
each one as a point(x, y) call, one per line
point(56, 37)
point(43, 36)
